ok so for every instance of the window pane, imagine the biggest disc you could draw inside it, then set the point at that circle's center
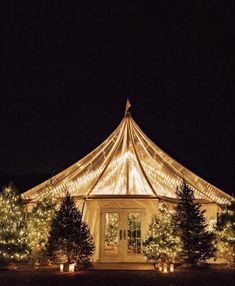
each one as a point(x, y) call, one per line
point(111, 234)
point(134, 233)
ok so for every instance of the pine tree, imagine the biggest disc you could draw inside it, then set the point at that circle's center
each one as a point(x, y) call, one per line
point(190, 221)
point(162, 241)
point(39, 224)
point(69, 235)
point(225, 232)
point(13, 227)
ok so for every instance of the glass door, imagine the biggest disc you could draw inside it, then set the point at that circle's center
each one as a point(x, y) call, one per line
point(121, 235)
point(134, 233)
point(111, 234)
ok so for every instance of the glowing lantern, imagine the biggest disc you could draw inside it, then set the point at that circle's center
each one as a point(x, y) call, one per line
point(164, 268)
point(71, 267)
point(36, 264)
point(61, 267)
point(172, 268)
point(158, 266)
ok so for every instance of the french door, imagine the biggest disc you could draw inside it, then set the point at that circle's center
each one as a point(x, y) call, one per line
point(121, 235)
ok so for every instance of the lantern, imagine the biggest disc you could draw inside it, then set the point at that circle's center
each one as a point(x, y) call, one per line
point(36, 264)
point(164, 268)
point(71, 267)
point(172, 268)
point(61, 267)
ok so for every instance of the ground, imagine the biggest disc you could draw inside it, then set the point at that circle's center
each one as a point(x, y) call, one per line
point(44, 276)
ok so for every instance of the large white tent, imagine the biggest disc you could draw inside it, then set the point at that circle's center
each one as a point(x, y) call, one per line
point(119, 185)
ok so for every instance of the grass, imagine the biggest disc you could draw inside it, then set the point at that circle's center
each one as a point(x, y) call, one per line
point(52, 277)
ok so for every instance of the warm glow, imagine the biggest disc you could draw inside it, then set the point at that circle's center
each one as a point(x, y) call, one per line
point(61, 267)
point(165, 268)
point(161, 241)
point(71, 267)
point(172, 267)
point(127, 162)
point(13, 238)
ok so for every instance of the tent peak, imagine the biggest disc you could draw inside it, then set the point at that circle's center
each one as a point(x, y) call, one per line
point(128, 105)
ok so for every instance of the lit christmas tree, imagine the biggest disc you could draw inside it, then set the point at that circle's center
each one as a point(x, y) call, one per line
point(225, 233)
point(13, 227)
point(111, 229)
point(190, 221)
point(39, 224)
point(162, 241)
point(69, 235)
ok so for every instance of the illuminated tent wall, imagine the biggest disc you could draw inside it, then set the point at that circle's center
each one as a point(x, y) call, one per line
point(126, 171)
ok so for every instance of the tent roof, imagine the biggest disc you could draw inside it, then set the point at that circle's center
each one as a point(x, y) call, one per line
point(126, 164)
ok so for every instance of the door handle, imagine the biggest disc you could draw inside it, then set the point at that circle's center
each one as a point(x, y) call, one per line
point(120, 234)
point(124, 234)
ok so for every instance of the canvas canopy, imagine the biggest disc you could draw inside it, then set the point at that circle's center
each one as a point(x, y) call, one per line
point(126, 165)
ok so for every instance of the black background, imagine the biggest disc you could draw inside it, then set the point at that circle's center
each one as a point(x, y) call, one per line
point(68, 67)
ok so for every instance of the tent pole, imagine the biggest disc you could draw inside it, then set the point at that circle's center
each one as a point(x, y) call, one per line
point(83, 206)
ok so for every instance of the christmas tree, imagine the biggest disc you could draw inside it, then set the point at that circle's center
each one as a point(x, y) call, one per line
point(39, 224)
point(111, 229)
point(69, 235)
point(225, 233)
point(162, 241)
point(13, 227)
point(190, 221)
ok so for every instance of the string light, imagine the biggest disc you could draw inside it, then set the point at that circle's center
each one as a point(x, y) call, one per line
point(13, 227)
point(225, 233)
point(126, 156)
point(39, 221)
point(162, 242)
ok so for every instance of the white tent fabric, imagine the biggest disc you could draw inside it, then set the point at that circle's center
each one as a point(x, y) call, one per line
point(126, 164)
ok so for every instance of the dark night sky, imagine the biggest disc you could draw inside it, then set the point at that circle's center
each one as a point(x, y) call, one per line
point(67, 69)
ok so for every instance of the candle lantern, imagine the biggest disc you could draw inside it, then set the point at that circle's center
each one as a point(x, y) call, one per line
point(61, 267)
point(164, 267)
point(172, 268)
point(36, 264)
point(71, 267)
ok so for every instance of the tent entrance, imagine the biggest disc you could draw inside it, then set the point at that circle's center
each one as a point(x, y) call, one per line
point(121, 235)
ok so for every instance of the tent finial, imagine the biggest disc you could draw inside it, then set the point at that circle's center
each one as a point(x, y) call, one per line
point(128, 105)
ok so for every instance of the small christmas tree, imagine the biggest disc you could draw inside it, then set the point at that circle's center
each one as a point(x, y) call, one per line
point(162, 241)
point(225, 233)
point(39, 224)
point(190, 221)
point(69, 235)
point(111, 229)
point(13, 227)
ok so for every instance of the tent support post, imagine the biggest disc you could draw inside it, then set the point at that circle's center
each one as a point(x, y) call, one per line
point(83, 206)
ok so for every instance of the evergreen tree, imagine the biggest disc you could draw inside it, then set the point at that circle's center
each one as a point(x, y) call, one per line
point(13, 227)
point(162, 241)
point(190, 221)
point(69, 235)
point(39, 224)
point(225, 232)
